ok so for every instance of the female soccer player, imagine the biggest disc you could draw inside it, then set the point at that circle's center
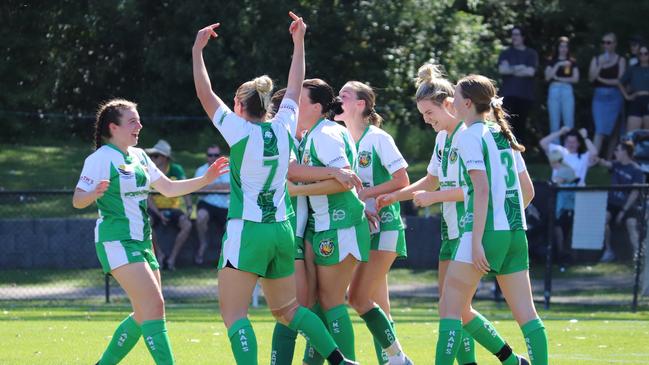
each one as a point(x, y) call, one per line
point(382, 169)
point(118, 177)
point(493, 241)
point(435, 102)
point(259, 238)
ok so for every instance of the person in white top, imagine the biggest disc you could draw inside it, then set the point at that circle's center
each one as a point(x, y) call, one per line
point(259, 239)
point(577, 150)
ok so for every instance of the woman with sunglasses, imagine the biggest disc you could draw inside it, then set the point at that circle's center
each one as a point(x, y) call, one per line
point(604, 72)
point(634, 85)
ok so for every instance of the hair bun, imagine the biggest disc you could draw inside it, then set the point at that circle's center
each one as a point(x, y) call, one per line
point(263, 84)
point(427, 73)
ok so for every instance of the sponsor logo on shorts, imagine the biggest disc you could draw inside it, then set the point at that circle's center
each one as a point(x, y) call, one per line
point(364, 158)
point(326, 247)
point(466, 219)
point(387, 217)
point(136, 253)
point(338, 214)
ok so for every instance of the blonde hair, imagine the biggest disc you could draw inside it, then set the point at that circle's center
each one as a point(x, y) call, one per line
point(431, 84)
point(366, 93)
point(482, 92)
point(254, 96)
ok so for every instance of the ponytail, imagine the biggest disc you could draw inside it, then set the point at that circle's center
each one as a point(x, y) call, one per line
point(501, 119)
point(374, 118)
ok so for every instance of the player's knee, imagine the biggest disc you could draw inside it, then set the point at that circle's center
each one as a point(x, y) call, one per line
point(360, 301)
point(284, 315)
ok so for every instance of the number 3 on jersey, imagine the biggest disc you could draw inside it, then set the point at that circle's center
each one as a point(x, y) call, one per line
point(508, 161)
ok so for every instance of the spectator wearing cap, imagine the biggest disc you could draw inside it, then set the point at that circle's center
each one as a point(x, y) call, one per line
point(623, 205)
point(577, 150)
point(634, 85)
point(168, 210)
point(211, 207)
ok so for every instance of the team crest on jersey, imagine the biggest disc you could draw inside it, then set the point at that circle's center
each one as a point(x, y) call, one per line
point(306, 158)
point(364, 159)
point(326, 247)
point(453, 155)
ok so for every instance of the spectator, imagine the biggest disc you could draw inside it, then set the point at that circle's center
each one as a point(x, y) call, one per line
point(213, 206)
point(578, 151)
point(563, 175)
point(634, 85)
point(634, 46)
point(517, 65)
point(623, 205)
point(167, 210)
point(561, 72)
point(604, 72)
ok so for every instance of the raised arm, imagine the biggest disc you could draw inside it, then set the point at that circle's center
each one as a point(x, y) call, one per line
point(296, 72)
point(209, 100)
point(545, 141)
point(171, 188)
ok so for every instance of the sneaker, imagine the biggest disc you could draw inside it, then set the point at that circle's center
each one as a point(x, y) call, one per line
point(608, 256)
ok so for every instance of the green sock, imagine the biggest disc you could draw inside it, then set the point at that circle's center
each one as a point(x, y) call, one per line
point(448, 342)
point(157, 341)
point(312, 328)
point(283, 345)
point(466, 354)
point(536, 340)
point(311, 356)
point(243, 342)
point(341, 329)
point(125, 337)
point(379, 325)
point(381, 356)
point(486, 335)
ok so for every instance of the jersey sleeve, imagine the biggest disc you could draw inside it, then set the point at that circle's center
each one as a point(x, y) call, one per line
point(154, 171)
point(520, 163)
point(231, 126)
point(94, 170)
point(330, 149)
point(470, 147)
point(436, 159)
point(391, 157)
point(287, 115)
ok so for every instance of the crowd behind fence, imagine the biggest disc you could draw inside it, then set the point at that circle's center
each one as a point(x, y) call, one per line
point(49, 252)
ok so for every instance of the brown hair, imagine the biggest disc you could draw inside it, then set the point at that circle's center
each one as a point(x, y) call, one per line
point(431, 84)
point(366, 93)
point(254, 96)
point(321, 93)
point(276, 101)
point(481, 91)
point(109, 112)
point(555, 52)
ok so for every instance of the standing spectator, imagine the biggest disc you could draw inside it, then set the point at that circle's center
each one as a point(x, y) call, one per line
point(604, 72)
point(561, 72)
point(517, 65)
point(578, 151)
point(634, 46)
point(634, 85)
point(563, 175)
point(623, 205)
point(167, 210)
point(213, 206)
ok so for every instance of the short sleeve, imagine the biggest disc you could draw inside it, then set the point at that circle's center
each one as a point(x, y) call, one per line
point(287, 115)
point(231, 126)
point(470, 147)
point(556, 147)
point(520, 163)
point(391, 157)
point(436, 159)
point(154, 171)
point(330, 150)
point(92, 173)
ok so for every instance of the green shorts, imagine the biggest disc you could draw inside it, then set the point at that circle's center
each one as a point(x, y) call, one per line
point(392, 241)
point(506, 251)
point(265, 249)
point(334, 245)
point(447, 250)
point(299, 248)
point(113, 254)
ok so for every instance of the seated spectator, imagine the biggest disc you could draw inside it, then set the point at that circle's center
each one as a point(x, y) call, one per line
point(563, 175)
point(577, 151)
point(634, 85)
point(168, 210)
point(623, 205)
point(212, 207)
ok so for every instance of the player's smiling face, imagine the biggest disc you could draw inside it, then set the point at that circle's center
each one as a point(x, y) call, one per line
point(127, 132)
point(352, 107)
point(436, 115)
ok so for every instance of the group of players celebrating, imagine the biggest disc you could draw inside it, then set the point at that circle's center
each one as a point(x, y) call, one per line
point(314, 212)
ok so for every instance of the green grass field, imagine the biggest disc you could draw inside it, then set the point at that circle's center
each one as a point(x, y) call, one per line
point(77, 334)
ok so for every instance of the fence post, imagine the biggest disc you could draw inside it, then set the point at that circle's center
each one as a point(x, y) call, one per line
point(547, 292)
point(107, 287)
point(639, 256)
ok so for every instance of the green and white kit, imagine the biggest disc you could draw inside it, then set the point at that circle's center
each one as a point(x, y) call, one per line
point(301, 209)
point(378, 159)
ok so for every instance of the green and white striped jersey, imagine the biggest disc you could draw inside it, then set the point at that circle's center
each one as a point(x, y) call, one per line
point(483, 146)
point(378, 159)
point(329, 144)
point(259, 157)
point(300, 204)
point(445, 165)
point(123, 207)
